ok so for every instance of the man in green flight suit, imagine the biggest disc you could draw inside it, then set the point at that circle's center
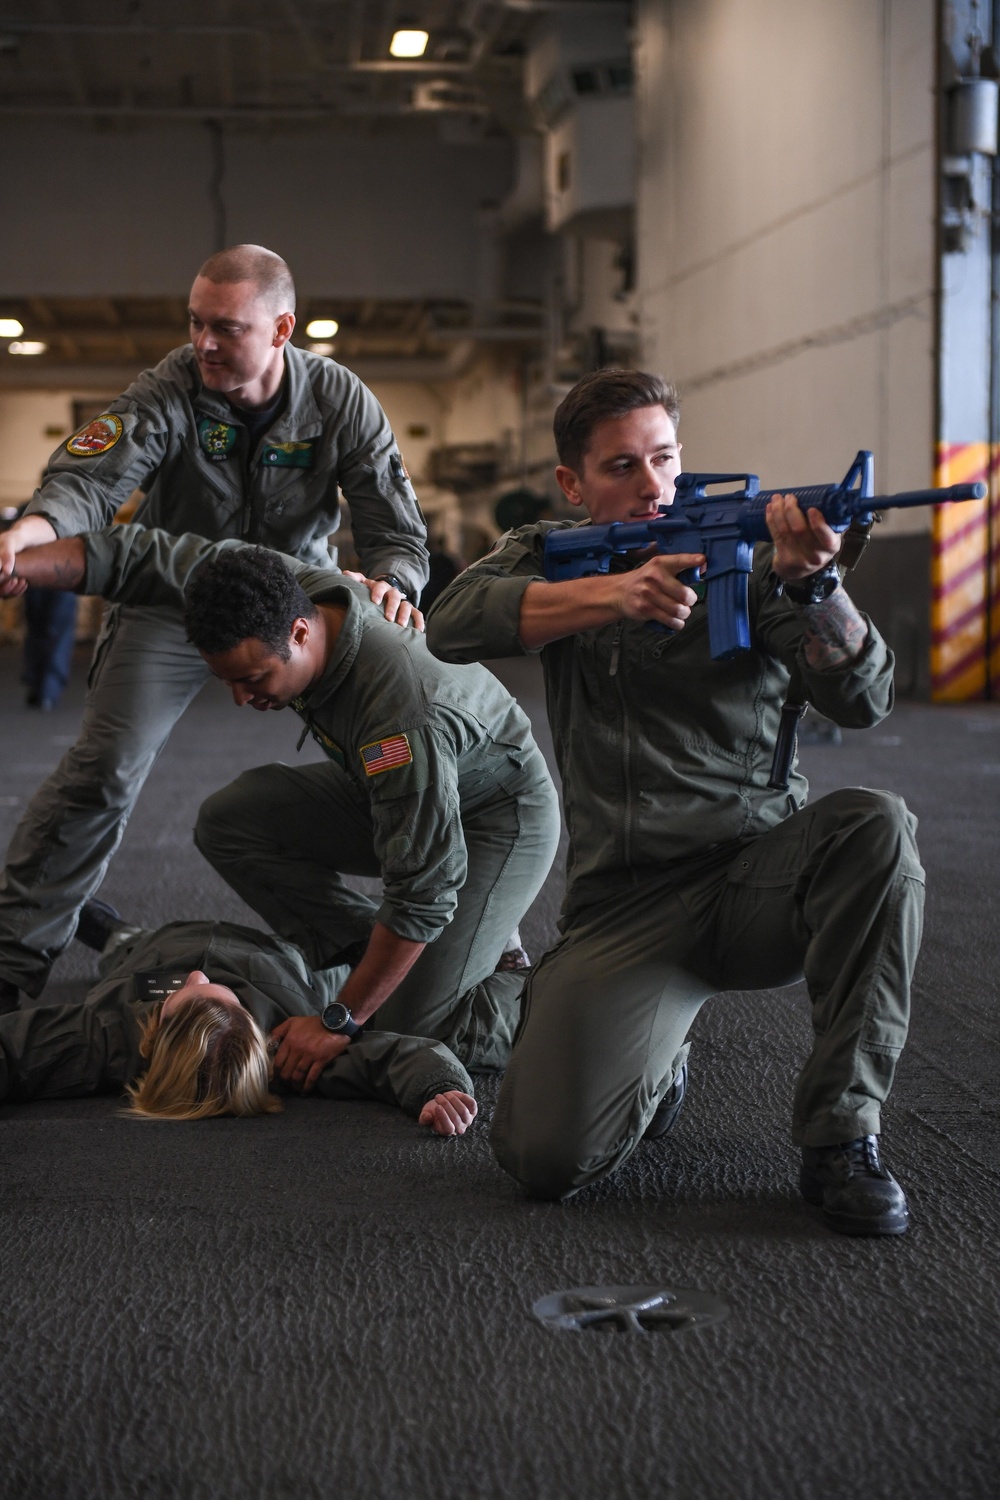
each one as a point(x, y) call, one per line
point(70, 1051)
point(237, 434)
point(688, 874)
point(431, 781)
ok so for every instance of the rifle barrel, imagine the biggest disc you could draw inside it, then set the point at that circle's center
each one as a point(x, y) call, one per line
point(976, 491)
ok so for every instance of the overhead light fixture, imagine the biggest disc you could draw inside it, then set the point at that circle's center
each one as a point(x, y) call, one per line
point(10, 328)
point(408, 43)
point(322, 328)
point(27, 346)
point(321, 348)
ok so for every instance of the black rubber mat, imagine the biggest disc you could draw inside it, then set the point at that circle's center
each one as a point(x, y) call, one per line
point(330, 1302)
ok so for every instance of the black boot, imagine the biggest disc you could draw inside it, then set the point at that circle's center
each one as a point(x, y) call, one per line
point(97, 922)
point(857, 1194)
point(668, 1110)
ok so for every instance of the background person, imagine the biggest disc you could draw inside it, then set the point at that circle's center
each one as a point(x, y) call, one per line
point(180, 1019)
point(237, 434)
point(688, 874)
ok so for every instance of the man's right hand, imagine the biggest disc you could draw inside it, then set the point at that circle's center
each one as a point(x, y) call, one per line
point(29, 531)
point(653, 591)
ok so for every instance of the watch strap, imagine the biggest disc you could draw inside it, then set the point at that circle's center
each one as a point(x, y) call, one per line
point(815, 588)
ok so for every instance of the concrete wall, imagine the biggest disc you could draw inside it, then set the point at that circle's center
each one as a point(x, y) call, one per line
point(786, 251)
point(385, 210)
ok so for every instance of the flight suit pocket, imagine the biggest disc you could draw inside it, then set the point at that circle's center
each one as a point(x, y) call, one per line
point(770, 862)
point(108, 631)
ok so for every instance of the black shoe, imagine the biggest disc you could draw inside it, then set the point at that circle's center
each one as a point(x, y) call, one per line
point(9, 1001)
point(97, 922)
point(669, 1108)
point(857, 1194)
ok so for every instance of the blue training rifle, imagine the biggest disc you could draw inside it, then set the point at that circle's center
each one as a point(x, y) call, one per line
point(725, 528)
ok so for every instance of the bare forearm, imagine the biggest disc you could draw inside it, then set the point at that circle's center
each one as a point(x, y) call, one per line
point(386, 962)
point(550, 611)
point(834, 632)
point(54, 565)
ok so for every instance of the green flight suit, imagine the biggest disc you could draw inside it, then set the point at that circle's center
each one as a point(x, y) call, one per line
point(432, 781)
point(65, 1051)
point(689, 875)
point(190, 453)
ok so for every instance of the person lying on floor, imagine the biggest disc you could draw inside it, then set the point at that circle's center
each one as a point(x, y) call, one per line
point(181, 1018)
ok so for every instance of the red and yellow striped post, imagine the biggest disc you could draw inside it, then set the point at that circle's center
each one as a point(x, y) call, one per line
point(965, 581)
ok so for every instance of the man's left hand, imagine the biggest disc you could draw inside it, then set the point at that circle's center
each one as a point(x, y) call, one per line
point(395, 606)
point(304, 1051)
point(803, 542)
point(449, 1114)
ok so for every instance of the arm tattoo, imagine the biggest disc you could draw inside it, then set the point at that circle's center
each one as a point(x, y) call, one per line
point(67, 574)
point(54, 565)
point(833, 630)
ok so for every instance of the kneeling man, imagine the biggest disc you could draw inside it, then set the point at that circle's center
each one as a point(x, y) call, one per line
point(689, 872)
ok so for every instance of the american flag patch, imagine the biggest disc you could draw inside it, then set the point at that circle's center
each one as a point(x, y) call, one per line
point(384, 755)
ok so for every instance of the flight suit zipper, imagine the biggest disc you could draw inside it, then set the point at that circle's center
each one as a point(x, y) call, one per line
point(626, 740)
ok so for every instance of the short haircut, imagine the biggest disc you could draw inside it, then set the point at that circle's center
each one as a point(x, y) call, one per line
point(244, 593)
point(603, 394)
point(206, 1059)
point(268, 272)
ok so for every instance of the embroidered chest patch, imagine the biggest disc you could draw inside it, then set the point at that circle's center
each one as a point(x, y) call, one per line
point(386, 755)
point(217, 439)
point(98, 436)
point(288, 455)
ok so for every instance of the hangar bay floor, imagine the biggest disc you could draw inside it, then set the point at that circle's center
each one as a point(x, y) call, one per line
point(333, 1302)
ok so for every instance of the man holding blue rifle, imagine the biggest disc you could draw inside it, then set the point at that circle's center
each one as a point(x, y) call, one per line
point(690, 870)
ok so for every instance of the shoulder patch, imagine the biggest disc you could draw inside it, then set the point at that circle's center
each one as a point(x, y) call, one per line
point(100, 434)
point(386, 755)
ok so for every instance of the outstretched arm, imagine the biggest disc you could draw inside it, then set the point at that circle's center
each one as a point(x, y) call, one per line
point(52, 565)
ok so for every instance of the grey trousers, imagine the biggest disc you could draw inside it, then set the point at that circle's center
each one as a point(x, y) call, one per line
point(283, 837)
point(143, 676)
point(834, 894)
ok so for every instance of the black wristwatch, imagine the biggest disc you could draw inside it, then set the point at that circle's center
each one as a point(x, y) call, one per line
point(815, 588)
point(338, 1018)
point(394, 582)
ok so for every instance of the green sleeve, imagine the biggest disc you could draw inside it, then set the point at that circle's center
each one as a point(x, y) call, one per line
point(66, 1051)
point(82, 492)
point(856, 695)
point(403, 1070)
point(478, 616)
point(387, 526)
point(143, 565)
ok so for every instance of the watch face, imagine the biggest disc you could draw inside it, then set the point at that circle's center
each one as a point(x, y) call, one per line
point(336, 1016)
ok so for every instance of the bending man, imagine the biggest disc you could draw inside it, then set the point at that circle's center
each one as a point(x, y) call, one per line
point(688, 874)
point(237, 434)
point(431, 781)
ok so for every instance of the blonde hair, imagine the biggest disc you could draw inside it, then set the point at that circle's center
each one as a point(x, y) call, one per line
point(207, 1058)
